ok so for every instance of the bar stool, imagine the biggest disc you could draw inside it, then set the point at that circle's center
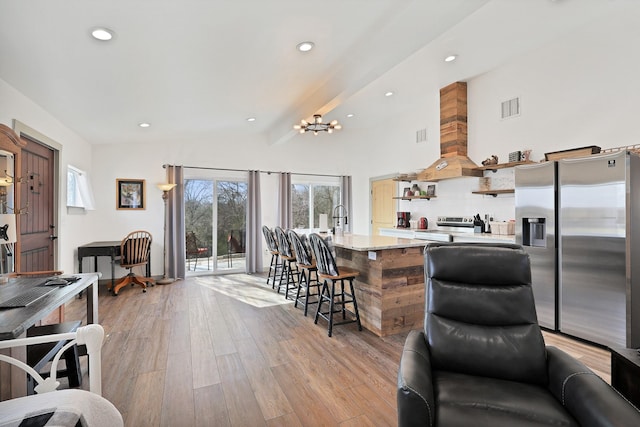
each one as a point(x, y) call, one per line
point(288, 263)
point(308, 268)
point(274, 265)
point(329, 271)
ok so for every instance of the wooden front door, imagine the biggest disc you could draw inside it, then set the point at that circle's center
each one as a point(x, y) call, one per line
point(37, 198)
point(383, 206)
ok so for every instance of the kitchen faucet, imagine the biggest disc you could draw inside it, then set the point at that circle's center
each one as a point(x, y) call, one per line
point(337, 216)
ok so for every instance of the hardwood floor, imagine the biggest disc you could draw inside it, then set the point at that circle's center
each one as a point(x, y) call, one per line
point(229, 351)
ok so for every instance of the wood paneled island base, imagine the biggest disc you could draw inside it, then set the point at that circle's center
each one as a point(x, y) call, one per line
point(390, 288)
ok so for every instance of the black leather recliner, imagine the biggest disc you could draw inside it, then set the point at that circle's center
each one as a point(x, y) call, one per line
point(481, 359)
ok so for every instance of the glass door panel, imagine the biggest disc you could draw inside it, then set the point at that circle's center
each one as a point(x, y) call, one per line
point(231, 225)
point(215, 232)
point(198, 225)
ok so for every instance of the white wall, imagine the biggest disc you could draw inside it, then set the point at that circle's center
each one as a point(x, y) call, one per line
point(144, 161)
point(75, 228)
point(580, 90)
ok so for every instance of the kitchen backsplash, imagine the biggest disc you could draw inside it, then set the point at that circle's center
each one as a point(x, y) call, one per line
point(454, 197)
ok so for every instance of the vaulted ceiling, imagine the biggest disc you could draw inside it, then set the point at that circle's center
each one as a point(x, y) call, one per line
point(196, 70)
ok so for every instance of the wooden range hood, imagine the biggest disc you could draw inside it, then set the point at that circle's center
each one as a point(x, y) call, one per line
point(453, 161)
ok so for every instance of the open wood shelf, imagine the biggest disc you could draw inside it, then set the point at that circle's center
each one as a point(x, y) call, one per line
point(415, 197)
point(494, 193)
point(502, 166)
point(406, 177)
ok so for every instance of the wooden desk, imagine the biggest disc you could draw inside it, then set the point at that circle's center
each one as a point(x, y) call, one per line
point(14, 322)
point(98, 249)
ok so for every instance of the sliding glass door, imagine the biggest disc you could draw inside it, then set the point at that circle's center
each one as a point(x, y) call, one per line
point(215, 225)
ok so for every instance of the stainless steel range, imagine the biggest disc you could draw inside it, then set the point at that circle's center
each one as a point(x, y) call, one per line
point(455, 221)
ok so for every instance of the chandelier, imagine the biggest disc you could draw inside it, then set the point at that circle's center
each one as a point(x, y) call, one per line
point(317, 125)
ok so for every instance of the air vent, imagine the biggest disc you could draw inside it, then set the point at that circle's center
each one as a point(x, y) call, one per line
point(421, 135)
point(511, 108)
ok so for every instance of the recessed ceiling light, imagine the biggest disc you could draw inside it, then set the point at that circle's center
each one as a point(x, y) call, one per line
point(350, 115)
point(450, 58)
point(144, 125)
point(102, 34)
point(388, 94)
point(305, 46)
point(251, 119)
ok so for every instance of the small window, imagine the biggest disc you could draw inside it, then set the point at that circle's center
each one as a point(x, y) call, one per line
point(310, 198)
point(79, 194)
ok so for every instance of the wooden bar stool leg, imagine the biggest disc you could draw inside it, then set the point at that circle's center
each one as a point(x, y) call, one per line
point(308, 293)
point(283, 271)
point(291, 279)
point(344, 312)
point(270, 268)
point(302, 279)
point(331, 306)
point(320, 301)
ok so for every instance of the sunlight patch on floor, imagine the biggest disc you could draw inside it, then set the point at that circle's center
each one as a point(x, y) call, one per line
point(249, 289)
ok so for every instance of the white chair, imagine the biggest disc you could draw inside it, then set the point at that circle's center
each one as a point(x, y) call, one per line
point(49, 402)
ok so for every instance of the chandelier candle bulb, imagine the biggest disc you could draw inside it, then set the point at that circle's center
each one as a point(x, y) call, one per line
point(317, 125)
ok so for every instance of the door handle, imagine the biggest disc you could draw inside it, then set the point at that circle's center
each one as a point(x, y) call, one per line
point(52, 237)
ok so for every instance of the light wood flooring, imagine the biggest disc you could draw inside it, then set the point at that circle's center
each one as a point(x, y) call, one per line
point(228, 351)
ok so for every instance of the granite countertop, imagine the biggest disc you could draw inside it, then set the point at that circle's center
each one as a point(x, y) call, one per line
point(459, 235)
point(359, 242)
point(507, 238)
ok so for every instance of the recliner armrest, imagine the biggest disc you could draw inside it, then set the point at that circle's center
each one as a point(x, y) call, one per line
point(415, 386)
point(585, 395)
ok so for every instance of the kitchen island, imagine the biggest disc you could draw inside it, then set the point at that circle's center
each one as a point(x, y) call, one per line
point(390, 287)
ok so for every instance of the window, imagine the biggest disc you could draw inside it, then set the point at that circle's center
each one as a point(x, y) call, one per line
point(310, 199)
point(79, 194)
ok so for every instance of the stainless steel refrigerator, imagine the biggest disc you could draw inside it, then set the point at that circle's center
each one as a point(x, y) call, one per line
point(597, 203)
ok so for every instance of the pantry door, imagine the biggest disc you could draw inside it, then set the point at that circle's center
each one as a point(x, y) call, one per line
point(383, 206)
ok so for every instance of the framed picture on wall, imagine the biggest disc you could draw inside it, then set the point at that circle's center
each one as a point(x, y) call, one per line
point(130, 194)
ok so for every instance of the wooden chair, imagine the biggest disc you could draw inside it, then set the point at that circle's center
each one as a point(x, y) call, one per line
point(289, 266)
point(134, 252)
point(328, 271)
point(274, 265)
point(308, 268)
